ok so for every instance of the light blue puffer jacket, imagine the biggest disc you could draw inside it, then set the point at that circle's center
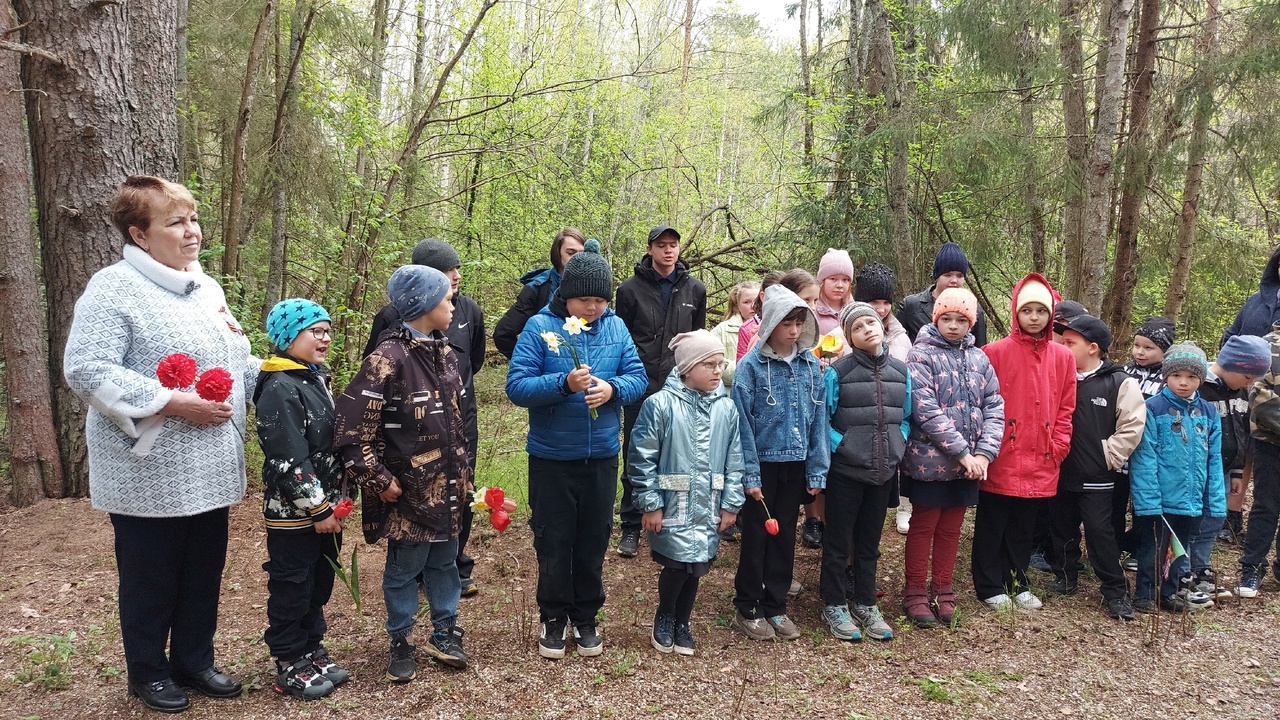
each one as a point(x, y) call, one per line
point(560, 424)
point(1177, 468)
point(686, 459)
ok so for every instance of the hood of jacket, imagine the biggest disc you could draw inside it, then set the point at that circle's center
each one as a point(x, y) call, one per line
point(644, 270)
point(279, 363)
point(778, 303)
point(1016, 330)
point(1269, 285)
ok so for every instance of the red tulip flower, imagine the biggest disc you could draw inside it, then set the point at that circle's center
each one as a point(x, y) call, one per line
point(494, 497)
point(214, 385)
point(771, 524)
point(176, 371)
point(500, 520)
point(343, 509)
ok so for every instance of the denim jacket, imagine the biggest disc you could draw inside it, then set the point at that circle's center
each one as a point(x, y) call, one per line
point(782, 401)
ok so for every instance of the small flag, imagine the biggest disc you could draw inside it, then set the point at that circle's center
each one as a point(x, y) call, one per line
point(1175, 548)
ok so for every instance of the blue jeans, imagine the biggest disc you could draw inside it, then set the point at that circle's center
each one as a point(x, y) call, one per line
point(437, 563)
point(1202, 542)
point(1152, 537)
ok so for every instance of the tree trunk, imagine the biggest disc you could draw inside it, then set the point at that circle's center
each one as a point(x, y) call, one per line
point(1176, 293)
point(240, 147)
point(1098, 206)
point(82, 141)
point(153, 30)
point(1075, 123)
point(688, 44)
point(1117, 308)
point(35, 470)
point(896, 98)
point(1031, 169)
point(806, 117)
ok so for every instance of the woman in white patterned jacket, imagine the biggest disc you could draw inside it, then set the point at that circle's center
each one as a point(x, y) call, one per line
point(164, 463)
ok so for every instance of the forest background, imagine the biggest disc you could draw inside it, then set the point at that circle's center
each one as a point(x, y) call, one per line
point(1126, 148)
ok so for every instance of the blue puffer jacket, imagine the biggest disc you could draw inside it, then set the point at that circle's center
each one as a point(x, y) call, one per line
point(1177, 468)
point(560, 424)
point(782, 403)
point(686, 460)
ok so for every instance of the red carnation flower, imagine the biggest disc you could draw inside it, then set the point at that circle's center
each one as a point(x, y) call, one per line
point(176, 371)
point(214, 385)
point(343, 509)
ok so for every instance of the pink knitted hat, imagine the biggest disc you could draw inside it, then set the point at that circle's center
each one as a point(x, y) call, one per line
point(835, 262)
point(957, 300)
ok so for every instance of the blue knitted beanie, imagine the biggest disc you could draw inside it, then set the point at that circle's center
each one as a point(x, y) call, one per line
point(290, 317)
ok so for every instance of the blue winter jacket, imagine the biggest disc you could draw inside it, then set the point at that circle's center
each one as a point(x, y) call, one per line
point(560, 424)
point(782, 403)
point(1177, 468)
point(686, 460)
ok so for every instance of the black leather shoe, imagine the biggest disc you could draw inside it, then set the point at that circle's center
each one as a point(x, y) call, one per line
point(162, 695)
point(210, 682)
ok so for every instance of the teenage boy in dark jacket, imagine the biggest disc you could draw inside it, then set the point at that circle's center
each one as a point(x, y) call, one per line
point(400, 436)
point(1106, 427)
point(466, 337)
point(658, 303)
point(950, 266)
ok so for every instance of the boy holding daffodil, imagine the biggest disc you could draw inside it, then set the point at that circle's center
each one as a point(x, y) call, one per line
point(574, 367)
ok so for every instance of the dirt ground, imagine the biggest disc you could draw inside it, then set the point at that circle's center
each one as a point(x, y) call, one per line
point(60, 656)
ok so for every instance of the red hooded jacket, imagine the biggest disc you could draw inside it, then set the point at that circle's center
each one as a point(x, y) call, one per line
point(1038, 382)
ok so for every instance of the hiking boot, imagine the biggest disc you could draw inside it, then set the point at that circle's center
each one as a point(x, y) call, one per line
point(1064, 586)
point(1187, 591)
point(629, 545)
point(162, 695)
point(403, 667)
point(783, 628)
point(664, 632)
point(795, 589)
point(871, 621)
point(446, 647)
point(1146, 606)
point(1250, 579)
point(588, 640)
point(327, 667)
point(685, 644)
point(915, 605)
point(811, 535)
point(1027, 600)
point(470, 588)
point(551, 644)
point(1119, 609)
point(999, 602)
point(301, 679)
point(754, 628)
point(943, 602)
point(1037, 562)
point(842, 626)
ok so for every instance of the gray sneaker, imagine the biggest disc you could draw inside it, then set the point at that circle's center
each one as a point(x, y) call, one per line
point(784, 628)
point(842, 626)
point(756, 629)
point(872, 622)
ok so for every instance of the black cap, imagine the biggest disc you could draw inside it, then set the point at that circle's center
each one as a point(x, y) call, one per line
point(1064, 310)
point(657, 232)
point(1093, 330)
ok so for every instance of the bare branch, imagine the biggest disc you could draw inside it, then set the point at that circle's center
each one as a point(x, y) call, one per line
point(26, 49)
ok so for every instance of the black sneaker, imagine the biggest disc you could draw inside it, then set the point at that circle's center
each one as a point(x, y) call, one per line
point(1119, 608)
point(811, 535)
point(1128, 562)
point(402, 667)
point(1064, 586)
point(684, 640)
point(446, 647)
point(588, 640)
point(327, 667)
point(301, 679)
point(629, 545)
point(1037, 562)
point(664, 632)
point(731, 533)
point(551, 644)
point(162, 695)
point(1146, 606)
point(470, 588)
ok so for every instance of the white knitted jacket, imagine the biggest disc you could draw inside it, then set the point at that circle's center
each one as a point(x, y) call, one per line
point(131, 315)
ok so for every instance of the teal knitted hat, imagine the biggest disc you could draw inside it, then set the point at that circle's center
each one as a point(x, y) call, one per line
point(290, 317)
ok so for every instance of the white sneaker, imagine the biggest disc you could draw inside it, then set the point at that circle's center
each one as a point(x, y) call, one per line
point(795, 589)
point(1027, 601)
point(904, 521)
point(999, 602)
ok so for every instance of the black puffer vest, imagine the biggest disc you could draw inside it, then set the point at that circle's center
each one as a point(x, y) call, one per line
point(873, 392)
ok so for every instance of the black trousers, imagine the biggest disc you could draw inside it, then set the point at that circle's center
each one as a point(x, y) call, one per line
point(1003, 528)
point(571, 506)
point(855, 520)
point(1263, 530)
point(170, 577)
point(765, 561)
point(628, 515)
point(465, 563)
point(1067, 510)
point(299, 584)
point(1120, 514)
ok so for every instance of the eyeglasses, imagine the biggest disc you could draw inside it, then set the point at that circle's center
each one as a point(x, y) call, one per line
point(320, 333)
point(713, 366)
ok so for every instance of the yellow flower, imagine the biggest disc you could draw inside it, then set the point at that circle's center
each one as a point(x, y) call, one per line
point(828, 347)
point(552, 340)
point(575, 325)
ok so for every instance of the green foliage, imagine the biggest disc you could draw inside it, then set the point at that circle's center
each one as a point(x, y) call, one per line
point(47, 659)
